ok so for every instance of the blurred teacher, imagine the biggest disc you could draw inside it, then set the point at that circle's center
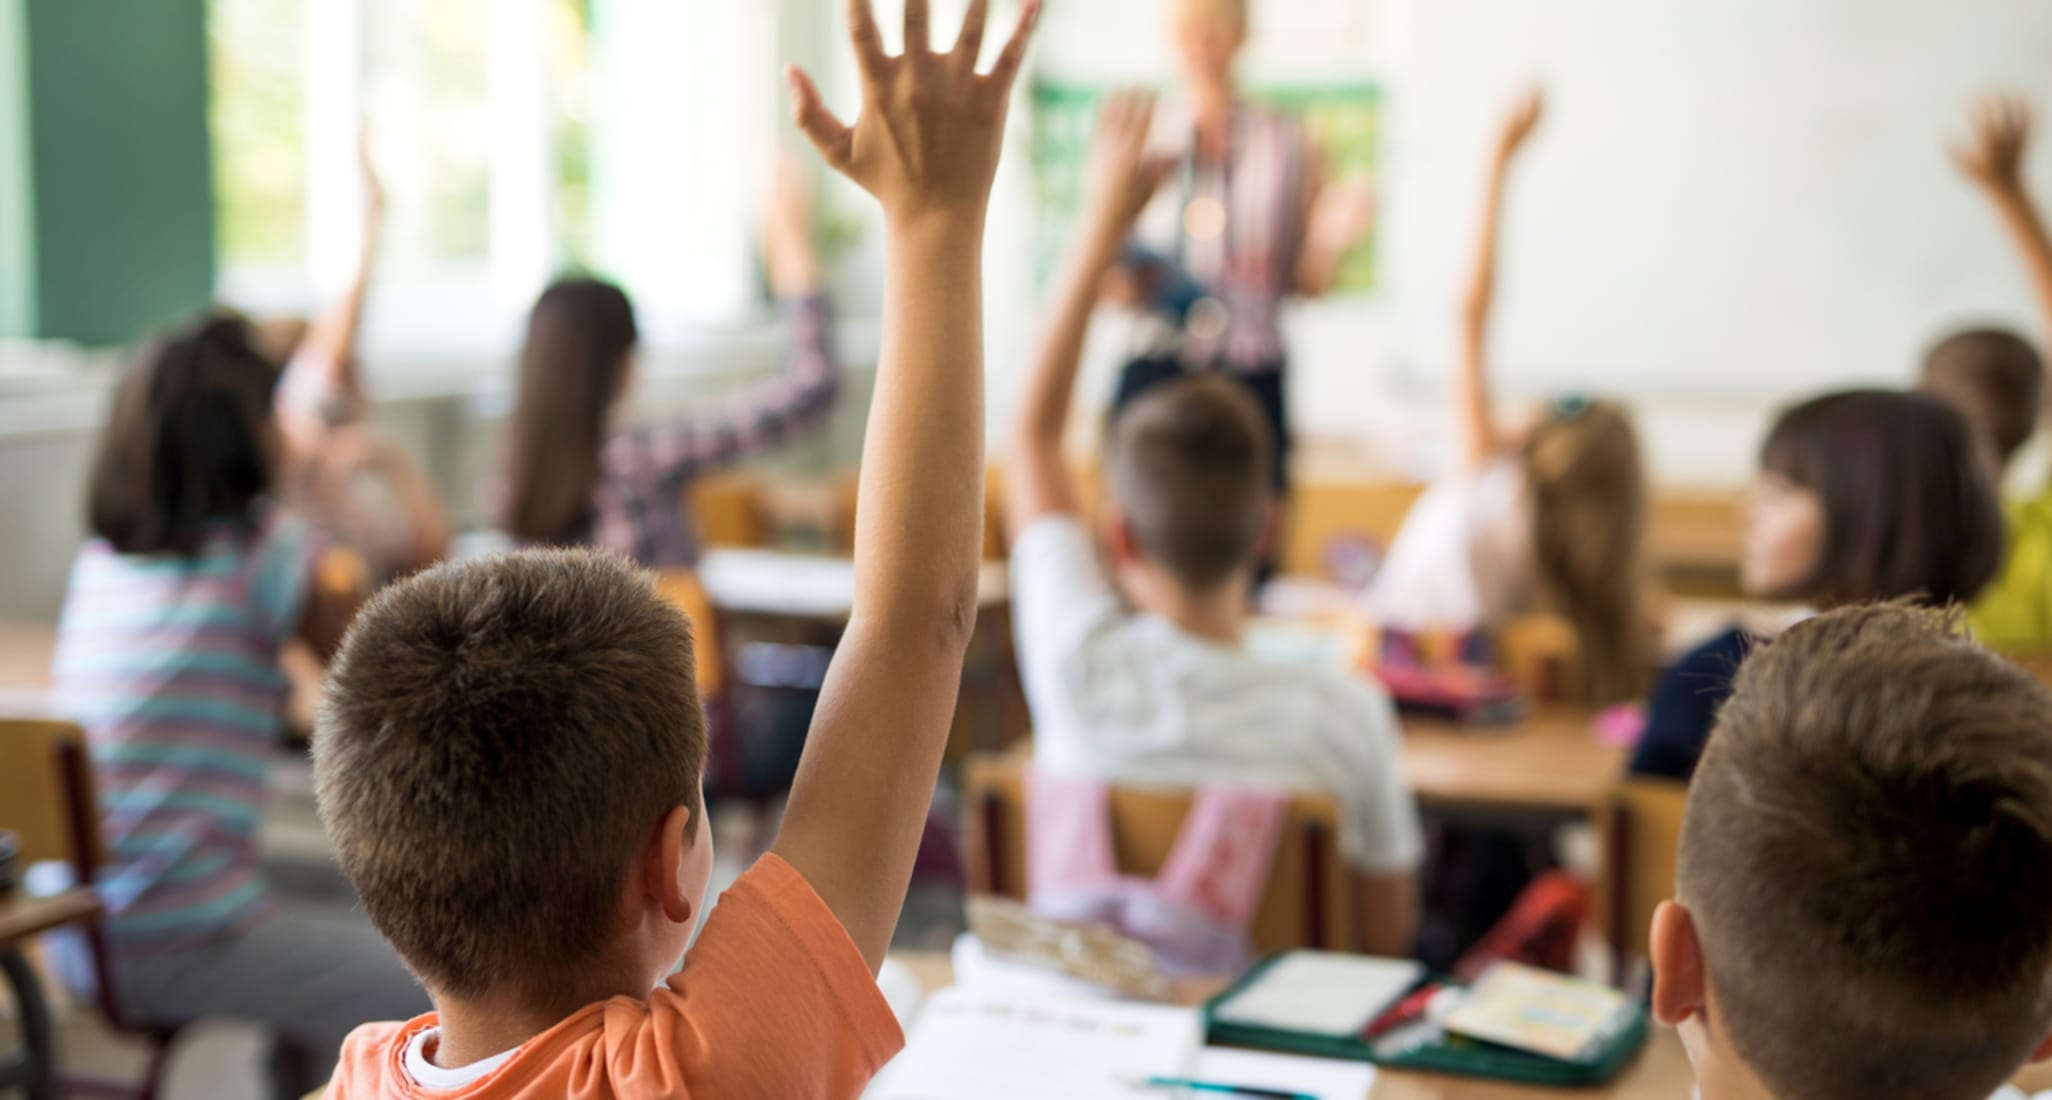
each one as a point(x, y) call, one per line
point(1246, 220)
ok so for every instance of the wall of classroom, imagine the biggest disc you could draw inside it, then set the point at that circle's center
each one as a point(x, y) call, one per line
point(106, 222)
point(1733, 202)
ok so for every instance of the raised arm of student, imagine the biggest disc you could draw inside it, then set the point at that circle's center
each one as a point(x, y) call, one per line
point(1994, 158)
point(322, 385)
point(778, 408)
point(1123, 177)
point(1337, 214)
point(926, 146)
point(1474, 412)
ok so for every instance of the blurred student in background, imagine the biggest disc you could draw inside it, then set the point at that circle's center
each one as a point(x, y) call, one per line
point(576, 476)
point(168, 656)
point(1547, 514)
point(1996, 378)
point(356, 486)
point(1248, 220)
point(1860, 496)
point(1136, 667)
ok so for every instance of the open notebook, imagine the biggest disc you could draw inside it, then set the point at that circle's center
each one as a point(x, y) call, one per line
point(998, 1046)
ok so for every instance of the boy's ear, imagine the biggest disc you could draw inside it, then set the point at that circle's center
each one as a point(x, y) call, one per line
point(662, 864)
point(1271, 530)
point(1119, 540)
point(2044, 1051)
point(1679, 986)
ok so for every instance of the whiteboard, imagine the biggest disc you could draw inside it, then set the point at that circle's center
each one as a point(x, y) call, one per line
point(1728, 196)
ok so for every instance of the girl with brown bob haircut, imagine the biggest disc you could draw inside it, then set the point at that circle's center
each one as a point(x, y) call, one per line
point(1862, 496)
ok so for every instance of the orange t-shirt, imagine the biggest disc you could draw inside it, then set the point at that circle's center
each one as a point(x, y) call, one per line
point(774, 1001)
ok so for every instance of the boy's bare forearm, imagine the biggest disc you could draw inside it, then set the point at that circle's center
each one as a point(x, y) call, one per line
point(919, 528)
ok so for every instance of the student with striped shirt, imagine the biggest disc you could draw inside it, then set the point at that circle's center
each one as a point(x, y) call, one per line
point(576, 477)
point(168, 656)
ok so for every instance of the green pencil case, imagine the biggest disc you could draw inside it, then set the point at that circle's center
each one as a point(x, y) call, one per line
point(1441, 1053)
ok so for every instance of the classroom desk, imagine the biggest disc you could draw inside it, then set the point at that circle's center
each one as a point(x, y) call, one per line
point(33, 1068)
point(1661, 1071)
point(1545, 765)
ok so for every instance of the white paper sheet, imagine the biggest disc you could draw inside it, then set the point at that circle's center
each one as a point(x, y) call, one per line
point(1322, 994)
point(1323, 1078)
point(971, 1046)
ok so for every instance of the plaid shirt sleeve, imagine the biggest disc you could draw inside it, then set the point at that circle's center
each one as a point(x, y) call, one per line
point(671, 454)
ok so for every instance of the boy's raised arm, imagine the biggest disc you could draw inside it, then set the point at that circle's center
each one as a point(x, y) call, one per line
point(1994, 159)
point(926, 146)
point(1123, 177)
point(1474, 412)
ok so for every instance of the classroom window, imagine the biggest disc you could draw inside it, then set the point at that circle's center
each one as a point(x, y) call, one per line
point(427, 96)
point(517, 139)
point(259, 133)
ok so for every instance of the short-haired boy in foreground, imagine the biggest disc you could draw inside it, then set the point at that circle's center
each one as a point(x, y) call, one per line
point(1865, 898)
point(510, 751)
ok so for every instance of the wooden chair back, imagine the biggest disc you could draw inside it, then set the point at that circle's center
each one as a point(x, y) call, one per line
point(1642, 830)
point(682, 587)
point(46, 794)
point(1540, 654)
point(1310, 898)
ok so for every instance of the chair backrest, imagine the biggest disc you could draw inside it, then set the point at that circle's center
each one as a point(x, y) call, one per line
point(1309, 900)
point(727, 511)
point(46, 793)
point(1642, 845)
point(1540, 653)
point(682, 587)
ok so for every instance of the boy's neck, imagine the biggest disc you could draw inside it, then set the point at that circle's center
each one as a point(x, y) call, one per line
point(1219, 615)
point(473, 1029)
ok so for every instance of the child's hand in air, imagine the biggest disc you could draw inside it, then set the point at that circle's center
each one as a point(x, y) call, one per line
point(373, 184)
point(1520, 122)
point(1124, 175)
point(1994, 156)
point(927, 141)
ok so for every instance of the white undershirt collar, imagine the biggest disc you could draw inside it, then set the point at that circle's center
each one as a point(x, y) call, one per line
point(428, 1075)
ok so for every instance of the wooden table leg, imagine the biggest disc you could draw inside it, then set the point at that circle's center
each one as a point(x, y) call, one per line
point(34, 1067)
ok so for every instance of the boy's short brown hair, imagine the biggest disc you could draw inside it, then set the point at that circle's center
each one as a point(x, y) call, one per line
point(1996, 379)
point(1868, 858)
point(496, 741)
point(1189, 463)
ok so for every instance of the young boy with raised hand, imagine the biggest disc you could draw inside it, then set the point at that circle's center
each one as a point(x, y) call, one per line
point(1865, 899)
point(1997, 379)
point(510, 752)
point(1167, 694)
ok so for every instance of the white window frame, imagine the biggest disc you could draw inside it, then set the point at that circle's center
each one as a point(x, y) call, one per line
point(668, 148)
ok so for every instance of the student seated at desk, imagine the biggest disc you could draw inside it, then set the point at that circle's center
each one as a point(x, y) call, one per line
point(576, 477)
point(1860, 496)
point(511, 752)
point(1863, 906)
point(167, 655)
point(1547, 514)
point(1996, 378)
point(1166, 692)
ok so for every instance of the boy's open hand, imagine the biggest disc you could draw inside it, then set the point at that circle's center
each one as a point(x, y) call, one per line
point(931, 128)
point(1124, 175)
point(1993, 157)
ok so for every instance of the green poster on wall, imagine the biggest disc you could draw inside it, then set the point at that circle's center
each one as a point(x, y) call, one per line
point(1344, 120)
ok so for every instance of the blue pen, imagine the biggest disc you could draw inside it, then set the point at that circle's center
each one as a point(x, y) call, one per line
point(1226, 1090)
